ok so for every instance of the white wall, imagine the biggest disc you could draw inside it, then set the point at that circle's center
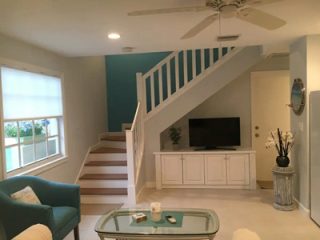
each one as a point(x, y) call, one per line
point(85, 94)
point(304, 64)
point(234, 100)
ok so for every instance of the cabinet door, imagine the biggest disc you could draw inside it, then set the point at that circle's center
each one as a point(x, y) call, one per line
point(215, 169)
point(193, 169)
point(171, 169)
point(238, 169)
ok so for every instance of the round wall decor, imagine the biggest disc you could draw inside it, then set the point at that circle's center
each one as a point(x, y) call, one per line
point(297, 96)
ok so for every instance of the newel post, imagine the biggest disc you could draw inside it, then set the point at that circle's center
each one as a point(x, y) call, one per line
point(131, 168)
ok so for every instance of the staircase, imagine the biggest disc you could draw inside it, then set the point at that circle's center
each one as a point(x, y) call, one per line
point(172, 88)
point(104, 177)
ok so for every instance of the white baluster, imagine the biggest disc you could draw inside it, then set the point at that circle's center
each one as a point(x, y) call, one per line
point(211, 57)
point(220, 53)
point(194, 64)
point(160, 86)
point(185, 67)
point(169, 79)
point(202, 60)
point(177, 71)
point(152, 91)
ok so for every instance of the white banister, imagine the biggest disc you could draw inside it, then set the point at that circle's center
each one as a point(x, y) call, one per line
point(196, 62)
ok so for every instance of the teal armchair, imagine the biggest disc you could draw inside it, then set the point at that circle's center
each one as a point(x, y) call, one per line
point(60, 208)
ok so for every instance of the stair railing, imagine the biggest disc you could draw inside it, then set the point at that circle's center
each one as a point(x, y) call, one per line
point(174, 75)
point(164, 82)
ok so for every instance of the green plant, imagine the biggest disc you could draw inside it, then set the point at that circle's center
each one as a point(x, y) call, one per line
point(175, 135)
point(25, 129)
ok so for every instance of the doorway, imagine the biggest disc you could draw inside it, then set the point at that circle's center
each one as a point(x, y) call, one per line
point(270, 95)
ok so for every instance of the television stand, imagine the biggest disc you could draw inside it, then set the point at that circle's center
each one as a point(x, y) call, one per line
point(206, 169)
point(215, 149)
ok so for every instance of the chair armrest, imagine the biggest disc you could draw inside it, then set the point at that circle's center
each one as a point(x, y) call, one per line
point(17, 216)
point(62, 194)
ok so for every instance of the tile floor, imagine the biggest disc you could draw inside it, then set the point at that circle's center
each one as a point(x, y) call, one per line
point(235, 208)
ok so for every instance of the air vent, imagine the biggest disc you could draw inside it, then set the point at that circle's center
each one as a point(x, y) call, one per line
point(127, 49)
point(225, 38)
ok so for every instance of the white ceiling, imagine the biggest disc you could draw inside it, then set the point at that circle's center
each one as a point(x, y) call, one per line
point(80, 27)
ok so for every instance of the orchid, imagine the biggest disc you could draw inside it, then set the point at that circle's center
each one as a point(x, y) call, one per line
point(283, 141)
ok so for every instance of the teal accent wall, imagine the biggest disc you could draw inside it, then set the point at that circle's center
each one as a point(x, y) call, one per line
point(121, 84)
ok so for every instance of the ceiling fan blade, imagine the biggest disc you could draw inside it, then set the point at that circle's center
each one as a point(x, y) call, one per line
point(200, 26)
point(260, 18)
point(169, 10)
point(261, 2)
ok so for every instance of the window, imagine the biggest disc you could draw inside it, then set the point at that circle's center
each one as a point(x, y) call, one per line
point(32, 119)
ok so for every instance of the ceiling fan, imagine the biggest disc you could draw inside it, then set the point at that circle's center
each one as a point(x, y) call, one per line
point(241, 9)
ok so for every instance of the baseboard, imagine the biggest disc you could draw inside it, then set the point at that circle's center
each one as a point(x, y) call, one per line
point(150, 184)
point(146, 185)
point(85, 160)
point(305, 211)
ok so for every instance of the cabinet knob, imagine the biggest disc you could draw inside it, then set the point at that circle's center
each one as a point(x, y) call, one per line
point(257, 135)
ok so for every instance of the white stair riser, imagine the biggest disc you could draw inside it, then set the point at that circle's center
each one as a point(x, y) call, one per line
point(103, 199)
point(113, 144)
point(103, 183)
point(107, 156)
point(104, 169)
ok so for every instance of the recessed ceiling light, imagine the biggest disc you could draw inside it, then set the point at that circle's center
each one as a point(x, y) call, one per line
point(114, 36)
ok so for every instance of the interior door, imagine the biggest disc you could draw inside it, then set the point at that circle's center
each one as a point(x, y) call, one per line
point(314, 155)
point(270, 94)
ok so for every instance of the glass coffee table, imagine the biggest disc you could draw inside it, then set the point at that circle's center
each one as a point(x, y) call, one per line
point(190, 224)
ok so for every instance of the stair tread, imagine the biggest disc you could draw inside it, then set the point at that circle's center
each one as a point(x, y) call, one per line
point(114, 138)
point(109, 150)
point(110, 176)
point(106, 163)
point(103, 191)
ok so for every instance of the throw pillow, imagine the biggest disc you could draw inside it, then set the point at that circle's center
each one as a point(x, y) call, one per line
point(26, 195)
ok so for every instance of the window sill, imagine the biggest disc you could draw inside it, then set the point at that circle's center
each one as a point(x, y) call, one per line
point(40, 169)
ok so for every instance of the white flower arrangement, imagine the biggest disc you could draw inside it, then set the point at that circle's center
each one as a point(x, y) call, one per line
point(283, 142)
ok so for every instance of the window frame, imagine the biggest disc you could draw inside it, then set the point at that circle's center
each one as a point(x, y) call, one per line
point(40, 165)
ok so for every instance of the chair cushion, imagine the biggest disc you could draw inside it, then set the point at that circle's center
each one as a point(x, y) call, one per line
point(245, 234)
point(35, 232)
point(26, 195)
point(62, 216)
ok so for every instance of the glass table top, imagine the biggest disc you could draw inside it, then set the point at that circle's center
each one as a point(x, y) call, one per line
point(189, 222)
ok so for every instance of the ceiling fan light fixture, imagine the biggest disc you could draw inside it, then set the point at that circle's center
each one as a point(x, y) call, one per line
point(228, 38)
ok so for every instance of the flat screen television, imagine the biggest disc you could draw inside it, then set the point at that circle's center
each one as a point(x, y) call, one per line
point(211, 133)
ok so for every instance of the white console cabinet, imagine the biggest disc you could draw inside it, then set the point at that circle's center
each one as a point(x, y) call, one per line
point(206, 169)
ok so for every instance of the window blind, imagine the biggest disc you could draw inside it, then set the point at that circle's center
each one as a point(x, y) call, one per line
point(30, 95)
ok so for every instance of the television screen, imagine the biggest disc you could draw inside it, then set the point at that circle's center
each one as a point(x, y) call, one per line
point(214, 132)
